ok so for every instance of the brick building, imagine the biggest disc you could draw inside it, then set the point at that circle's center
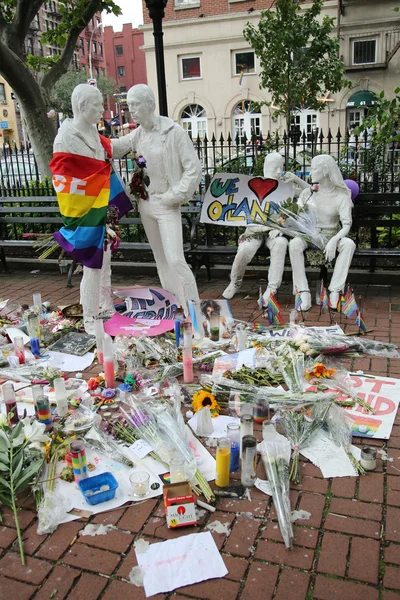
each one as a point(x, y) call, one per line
point(91, 47)
point(206, 53)
point(125, 61)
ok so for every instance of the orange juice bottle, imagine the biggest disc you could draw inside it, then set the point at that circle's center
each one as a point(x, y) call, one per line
point(223, 459)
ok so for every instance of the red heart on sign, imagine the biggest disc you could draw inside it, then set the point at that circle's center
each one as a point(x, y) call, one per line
point(262, 187)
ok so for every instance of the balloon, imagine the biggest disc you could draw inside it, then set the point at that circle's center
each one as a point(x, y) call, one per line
point(353, 187)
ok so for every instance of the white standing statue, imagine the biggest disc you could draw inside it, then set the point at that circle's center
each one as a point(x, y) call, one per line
point(174, 170)
point(255, 236)
point(332, 206)
point(81, 178)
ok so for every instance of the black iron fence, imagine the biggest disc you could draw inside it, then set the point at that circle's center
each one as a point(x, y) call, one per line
point(375, 168)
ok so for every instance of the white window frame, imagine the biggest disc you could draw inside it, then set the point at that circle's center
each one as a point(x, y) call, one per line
point(358, 40)
point(185, 57)
point(195, 125)
point(181, 4)
point(243, 51)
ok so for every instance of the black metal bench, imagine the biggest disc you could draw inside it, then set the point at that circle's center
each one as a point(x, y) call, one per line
point(371, 212)
point(40, 215)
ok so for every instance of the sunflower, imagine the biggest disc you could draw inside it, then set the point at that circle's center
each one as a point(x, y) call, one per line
point(202, 398)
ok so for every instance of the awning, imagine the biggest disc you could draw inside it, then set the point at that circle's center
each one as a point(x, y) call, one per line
point(362, 98)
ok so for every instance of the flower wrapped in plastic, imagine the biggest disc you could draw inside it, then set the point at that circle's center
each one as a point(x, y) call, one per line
point(276, 456)
point(172, 428)
point(340, 428)
point(293, 220)
point(291, 365)
point(300, 429)
point(96, 438)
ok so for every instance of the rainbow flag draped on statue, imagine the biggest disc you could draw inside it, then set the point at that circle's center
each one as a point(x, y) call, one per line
point(85, 188)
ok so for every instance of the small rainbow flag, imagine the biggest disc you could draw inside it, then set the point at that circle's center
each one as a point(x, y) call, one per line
point(273, 311)
point(323, 297)
point(360, 322)
point(297, 300)
point(340, 304)
point(350, 304)
point(241, 77)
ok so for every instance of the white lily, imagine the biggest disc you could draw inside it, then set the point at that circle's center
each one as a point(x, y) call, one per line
point(3, 420)
point(33, 432)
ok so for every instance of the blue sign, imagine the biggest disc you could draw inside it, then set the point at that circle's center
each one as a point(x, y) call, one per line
point(4, 124)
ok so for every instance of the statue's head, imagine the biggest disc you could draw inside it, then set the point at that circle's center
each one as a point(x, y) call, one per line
point(141, 102)
point(324, 166)
point(87, 102)
point(273, 165)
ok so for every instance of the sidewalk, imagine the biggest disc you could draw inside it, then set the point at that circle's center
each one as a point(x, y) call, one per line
point(349, 549)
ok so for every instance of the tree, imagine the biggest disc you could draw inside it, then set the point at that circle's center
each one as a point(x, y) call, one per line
point(299, 58)
point(62, 90)
point(33, 78)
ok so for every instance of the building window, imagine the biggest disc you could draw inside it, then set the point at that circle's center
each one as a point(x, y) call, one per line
point(364, 52)
point(190, 67)
point(94, 46)
point(194, 121)
point(121, 71)
point(5, 114)
point(187, 2)
point(3, 99)
point(246, 121)
point(119, 50)
point(122, 89)
point(244, 62)
point(82, 46)
point(305, 122)
point(88, 46)
point(101, 49)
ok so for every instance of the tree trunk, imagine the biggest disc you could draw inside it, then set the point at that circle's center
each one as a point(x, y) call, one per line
point(41, 132)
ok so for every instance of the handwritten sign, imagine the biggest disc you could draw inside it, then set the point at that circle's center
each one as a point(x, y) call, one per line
point(239, 200)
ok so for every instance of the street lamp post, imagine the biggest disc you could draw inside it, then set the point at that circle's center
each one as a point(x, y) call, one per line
point(99, 25)
point(156, 14)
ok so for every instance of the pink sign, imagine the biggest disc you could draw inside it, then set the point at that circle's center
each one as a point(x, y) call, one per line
point(120, 325)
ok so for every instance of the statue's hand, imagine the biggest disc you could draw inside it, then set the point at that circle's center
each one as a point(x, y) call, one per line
point(288, 177)
point(330, 249)
point(274, 234)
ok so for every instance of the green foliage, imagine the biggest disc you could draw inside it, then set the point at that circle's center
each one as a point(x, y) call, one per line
point(41, 63)
point(299, 58)
point(61, 94)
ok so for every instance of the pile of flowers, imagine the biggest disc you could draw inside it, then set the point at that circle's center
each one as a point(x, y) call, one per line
point(140, 179)
point(202, 398)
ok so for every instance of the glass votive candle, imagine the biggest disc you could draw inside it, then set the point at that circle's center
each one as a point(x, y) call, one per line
point(214, 326)
point(139, 483)
point(261, 410)
point(19, 349)
point(177, 470)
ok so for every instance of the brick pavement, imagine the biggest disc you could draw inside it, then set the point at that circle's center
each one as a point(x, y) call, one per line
point(349, 549)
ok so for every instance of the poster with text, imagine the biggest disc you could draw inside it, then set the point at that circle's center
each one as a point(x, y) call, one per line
point(239, 200)
point(383, 395)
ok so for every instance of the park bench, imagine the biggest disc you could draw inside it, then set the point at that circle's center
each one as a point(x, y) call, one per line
point(40, 215)
point(373, 214)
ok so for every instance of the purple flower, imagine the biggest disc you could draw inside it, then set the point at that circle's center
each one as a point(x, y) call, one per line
point(108, 393)
point(141, 162)
point(139, 418)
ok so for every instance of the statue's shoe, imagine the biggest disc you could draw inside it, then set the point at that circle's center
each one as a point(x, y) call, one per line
point(231, 291)
point(305, 301)
point(333, 300)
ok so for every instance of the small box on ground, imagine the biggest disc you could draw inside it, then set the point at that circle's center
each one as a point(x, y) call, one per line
point(179, 505)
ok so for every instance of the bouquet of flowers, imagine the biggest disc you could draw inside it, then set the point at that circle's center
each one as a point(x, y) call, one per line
point(100, 440)
point(299, 428)
point(276, 457)
point(340, 429)
point(291, 365)
point(140, 179)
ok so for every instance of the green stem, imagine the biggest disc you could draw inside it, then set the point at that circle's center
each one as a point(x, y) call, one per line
point(15, 509)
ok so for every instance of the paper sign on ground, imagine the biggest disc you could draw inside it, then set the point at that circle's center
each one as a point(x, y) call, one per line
point(287, 332)
point(205, 462)
point(175, 563)
point(219, 423)
point(160, 305)
point(383, 394)
point(141, 448)
point(200, 312)
point(14, 332)
point(233, 362)
point(69, 362)
point(331, 459)
point(122, 325)
point(238, 200)
point(132, 291)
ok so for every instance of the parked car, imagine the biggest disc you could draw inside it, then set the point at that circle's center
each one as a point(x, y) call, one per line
point(18, 170)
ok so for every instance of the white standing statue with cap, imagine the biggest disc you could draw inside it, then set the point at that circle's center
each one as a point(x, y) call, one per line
point(174, 171)
point(332, 206)
point(79, 136)
point(255, 236)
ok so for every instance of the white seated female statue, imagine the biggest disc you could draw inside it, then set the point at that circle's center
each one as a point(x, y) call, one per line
point(331, 205)
point(255, 236)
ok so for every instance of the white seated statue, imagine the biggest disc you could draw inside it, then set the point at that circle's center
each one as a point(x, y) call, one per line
point(332, 206)
point(255, 236)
